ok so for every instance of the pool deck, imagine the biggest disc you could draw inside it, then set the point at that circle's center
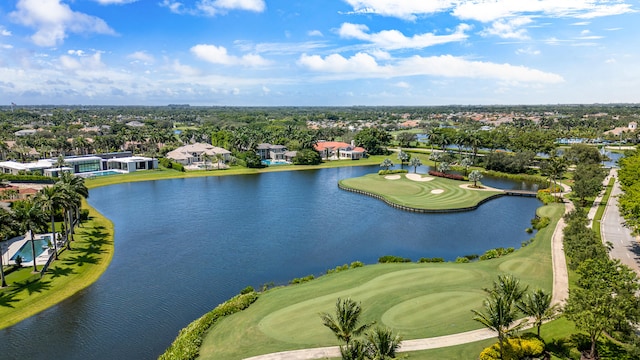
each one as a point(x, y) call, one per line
point(12, 246)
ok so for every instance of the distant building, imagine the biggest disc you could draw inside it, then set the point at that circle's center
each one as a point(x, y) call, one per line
point(196, 153)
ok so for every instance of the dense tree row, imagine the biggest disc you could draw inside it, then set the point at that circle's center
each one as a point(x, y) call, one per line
point(629, 202)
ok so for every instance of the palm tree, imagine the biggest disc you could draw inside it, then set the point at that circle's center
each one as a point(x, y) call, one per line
point(508, 287)
point(403, 157)
point(444, 167)
point(73, 190)
point(30, 217)
point(50, 199)
point(415, 162)
point(538, 306)
point(7, 224)
point(465, 163)
point(382, 344)
point(386, 164)
point(435, 157)
point(498, 316)
point(475, 176)
point(556, 166)
point(345, 325)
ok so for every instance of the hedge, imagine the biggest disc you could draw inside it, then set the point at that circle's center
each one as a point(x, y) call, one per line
point(445, 175)
point(187, 345)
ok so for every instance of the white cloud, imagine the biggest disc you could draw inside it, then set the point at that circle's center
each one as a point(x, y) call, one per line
point(53, 20)
point(404, 9)
point(184, 70)
point(81, 62)
point(509, 28)
point(218, 55)
point(214, 7)
point(402, 85)
point(365, 66)
point(142, 56)
point(528, 51)
point(394, 39)
point(4, 32)
point(76, 52)
point(315, 33)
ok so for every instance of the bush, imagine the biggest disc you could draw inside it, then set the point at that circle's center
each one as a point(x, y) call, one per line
point(187, 344)
point(514, 349)
point(462, 260)
point(540, 222)
point(431, 260)
point(302, 280)
point(393, 259)
point(307, 157)
point(357, 264)
point(445, 175)
point(169, 164)
point(496, 253)
point(338, 269)
point(389, 172)
point(247, 290)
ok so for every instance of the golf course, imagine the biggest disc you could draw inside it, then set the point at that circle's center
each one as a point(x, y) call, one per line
point(421, 193)
point(414, 300)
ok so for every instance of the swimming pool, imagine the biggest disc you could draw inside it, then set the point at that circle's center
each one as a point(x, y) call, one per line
point(275, 162)
point(100, 173)
point(25, 252)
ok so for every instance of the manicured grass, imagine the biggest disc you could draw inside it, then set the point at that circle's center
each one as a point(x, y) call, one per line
point(73, 271)
point(601, 208)
point(415, 300)
point(436, 194)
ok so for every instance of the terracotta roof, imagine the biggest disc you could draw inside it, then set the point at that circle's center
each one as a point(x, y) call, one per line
point(322, 145)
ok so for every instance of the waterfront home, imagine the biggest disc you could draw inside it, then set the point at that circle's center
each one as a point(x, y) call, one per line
point(197, 152)
point(336, 150)
point(271, 152)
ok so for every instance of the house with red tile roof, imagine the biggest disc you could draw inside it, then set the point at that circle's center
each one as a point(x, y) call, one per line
point(337, 150)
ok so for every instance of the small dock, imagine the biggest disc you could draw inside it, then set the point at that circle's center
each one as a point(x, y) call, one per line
point(527, 193)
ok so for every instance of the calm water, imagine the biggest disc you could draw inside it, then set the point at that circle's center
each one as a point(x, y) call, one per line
point(183, 246)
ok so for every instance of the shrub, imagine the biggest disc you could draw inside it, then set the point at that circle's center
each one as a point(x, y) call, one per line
point(527, 242)
point(496, 253)
point(528, 230)
point(302, 280)
point(247, 290)
point(445, 175)
point(393, 259)
point(187, 344)
point(396, 171)
point(462, 260)
point(431, 260)
point(540, 222)
point(357, 264)
point(514, 349)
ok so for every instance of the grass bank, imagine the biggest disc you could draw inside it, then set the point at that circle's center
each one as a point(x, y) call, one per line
point(415, 300)
point(424, 193)
point(75, 270)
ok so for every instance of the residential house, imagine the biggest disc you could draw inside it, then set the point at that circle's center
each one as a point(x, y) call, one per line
point(336, 150)
point(271, 152)
point(197, 152)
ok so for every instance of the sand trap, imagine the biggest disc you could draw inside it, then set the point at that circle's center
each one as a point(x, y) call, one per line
point(482, 188)
point(437, 191)
point(392, 177)
point(418, 177)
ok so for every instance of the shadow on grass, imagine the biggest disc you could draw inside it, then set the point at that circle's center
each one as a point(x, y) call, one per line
point(6, 299)
point(81, 259)
point(33, 286)
point(58, 271)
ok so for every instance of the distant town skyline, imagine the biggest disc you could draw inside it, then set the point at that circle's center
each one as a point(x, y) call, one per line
point(318, 53)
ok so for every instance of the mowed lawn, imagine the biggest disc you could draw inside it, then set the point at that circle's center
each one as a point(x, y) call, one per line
point(433, 194)
point(415, 300)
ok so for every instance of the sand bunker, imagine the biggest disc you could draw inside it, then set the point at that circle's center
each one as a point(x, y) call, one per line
point(392, 177)
point(418, 177)
point(480, 188)
point(437, 191)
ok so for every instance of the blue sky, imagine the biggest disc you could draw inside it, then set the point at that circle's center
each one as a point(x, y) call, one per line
point(319, 52)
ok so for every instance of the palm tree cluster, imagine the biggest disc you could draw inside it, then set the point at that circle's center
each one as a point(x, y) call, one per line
point(507, 300)
point(378, 344)
point(28, 216)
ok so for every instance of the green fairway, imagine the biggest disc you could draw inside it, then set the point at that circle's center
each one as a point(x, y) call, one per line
point(415, 300)
point(420, 192)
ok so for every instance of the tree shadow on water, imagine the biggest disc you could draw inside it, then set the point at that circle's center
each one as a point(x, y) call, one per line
point(6, 299)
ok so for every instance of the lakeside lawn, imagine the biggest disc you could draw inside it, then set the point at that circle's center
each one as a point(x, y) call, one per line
point(415, 300)
point(421, 192)
point(75, 269)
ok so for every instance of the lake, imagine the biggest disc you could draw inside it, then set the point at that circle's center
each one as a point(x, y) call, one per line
point(183, 246)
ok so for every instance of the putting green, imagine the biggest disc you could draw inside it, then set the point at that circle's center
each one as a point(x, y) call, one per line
point(411, 192)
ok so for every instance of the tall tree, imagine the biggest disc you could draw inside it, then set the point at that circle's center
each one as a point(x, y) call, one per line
point(346, 322)
point(415, 162)
point(382, 344)
point(386, 164)
point(538, 306)
point(30, 217)
point(7, 224)
point(403, 157)
point(499, 315)
point(475, 176)
point(50, 199)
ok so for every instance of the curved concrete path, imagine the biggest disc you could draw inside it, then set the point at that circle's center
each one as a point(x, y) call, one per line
point(560, 294)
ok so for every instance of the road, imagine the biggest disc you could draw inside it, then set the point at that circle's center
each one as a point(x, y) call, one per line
point(625, 246)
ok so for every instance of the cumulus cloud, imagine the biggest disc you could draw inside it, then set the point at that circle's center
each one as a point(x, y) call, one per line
point(53, 21)
point(492, 10)
point(142, 56)
point(509, 28)
point(394, 39)
point(81, 62)
point(404, 9)
point(365, 66)
point(4, 32)
point(315, 33)
point(213, 7)
point(218, 55)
